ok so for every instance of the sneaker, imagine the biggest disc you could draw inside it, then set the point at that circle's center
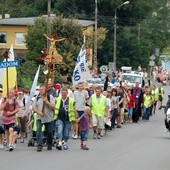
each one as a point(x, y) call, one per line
point(75, 136)
point(39, 148)
point(35, 144)
point(101, 135)
point(98, 136)
point(4, 142)
point(49, 147)
point(59, 147)
point(11, 148)
point(14, 146)
point(119, 126)
point(22, 140)
point(94, 136)
point(65, 147)
point(85, 147)
point(1, 146)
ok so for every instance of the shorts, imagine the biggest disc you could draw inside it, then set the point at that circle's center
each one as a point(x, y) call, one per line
point(80, 113)
point(155, 103)
point(6, 127)
point(17, 129)
point(84, 135)
point(1, 130)
point(130, 111)
point(98, 121)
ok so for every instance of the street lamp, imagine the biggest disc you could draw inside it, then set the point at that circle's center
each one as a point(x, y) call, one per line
point(115, 25)
point(95, 37)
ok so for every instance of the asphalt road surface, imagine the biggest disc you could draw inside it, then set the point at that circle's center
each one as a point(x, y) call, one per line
point(136, 146)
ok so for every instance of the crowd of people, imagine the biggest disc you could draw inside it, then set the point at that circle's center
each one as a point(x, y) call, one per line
point(76, 110)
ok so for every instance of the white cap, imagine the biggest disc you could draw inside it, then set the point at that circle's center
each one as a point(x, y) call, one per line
point(38, 87)
point(33, 99)
point(36, 93)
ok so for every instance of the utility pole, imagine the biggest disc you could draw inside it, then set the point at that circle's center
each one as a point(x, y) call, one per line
point(115, 37)
point(95, 37)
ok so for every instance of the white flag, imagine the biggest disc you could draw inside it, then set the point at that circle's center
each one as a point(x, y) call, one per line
point(34, 84)
point(81, 71)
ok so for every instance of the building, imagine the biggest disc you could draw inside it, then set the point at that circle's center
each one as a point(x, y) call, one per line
point(13, 30)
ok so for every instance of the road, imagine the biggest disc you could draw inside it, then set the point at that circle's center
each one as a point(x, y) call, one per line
point(139, 146)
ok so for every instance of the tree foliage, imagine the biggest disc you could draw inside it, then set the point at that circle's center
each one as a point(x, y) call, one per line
point(142, 25)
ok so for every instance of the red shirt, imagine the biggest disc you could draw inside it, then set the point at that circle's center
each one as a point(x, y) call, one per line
point(9, 119)
point(130, 100)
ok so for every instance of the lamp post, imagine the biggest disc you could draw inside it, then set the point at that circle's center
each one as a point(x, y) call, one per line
point(115, 32)
point(95, 37)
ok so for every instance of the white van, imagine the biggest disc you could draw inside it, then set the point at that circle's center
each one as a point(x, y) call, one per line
point(132, 78)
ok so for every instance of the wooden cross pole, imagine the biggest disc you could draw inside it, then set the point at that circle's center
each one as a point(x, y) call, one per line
point(53, 39)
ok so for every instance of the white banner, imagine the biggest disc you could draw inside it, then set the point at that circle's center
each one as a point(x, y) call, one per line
point(81, 71)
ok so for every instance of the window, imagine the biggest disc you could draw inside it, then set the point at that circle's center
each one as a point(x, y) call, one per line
point(3, 37)
point(19, 39)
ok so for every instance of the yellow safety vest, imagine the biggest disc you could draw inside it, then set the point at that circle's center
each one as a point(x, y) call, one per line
point(147, 100)
point(98, 108)
point(71, 113)
point(35, 124)
point(160, 93)
point(155, 94)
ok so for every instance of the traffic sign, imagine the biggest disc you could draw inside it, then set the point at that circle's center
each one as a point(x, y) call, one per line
point(111, 65)
point(151, 63)
point(152, 57)
point(103, 68)
point(14, 63)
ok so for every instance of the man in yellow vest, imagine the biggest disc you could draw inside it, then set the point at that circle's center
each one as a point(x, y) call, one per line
point(99, 107)
point(65, 114)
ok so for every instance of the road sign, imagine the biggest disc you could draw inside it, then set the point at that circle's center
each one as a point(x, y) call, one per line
point(152, 57)
point(103, 69)
point(157, 52)
point(111, 65)
point(151, 63)
point(14, 63)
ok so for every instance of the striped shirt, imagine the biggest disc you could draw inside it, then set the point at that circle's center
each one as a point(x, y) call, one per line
point(9, 119)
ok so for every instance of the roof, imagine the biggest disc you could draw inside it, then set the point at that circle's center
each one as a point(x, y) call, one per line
point(30, 21)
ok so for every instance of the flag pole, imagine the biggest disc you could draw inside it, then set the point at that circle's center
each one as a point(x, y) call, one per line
point(6, 55)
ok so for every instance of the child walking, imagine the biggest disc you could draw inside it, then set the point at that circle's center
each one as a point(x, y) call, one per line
point(130, 104)
point(85, 122)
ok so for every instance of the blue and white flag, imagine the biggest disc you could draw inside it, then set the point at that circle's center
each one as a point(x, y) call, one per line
point(81, 71)
point(34, 84)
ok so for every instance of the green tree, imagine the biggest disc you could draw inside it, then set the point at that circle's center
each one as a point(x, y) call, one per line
point(68, 48)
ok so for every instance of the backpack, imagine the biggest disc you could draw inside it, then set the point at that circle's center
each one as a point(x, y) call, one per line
point(23, 100)
point(48, 97)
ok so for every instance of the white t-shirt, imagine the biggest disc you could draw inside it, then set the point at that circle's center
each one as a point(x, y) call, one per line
point(21, 106)
point(80, 97)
